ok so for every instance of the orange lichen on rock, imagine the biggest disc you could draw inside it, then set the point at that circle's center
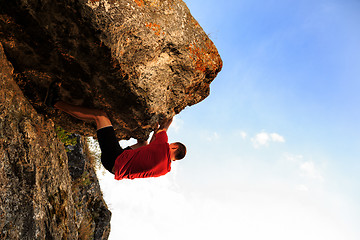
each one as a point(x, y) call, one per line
point(139, 2)
point(214, 55)
point(155, 27)
point(205, 57)
point(197, 57)
point(195, 22)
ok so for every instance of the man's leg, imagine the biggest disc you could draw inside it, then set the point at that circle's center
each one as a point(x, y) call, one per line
point(109, 145)
point(85, 114)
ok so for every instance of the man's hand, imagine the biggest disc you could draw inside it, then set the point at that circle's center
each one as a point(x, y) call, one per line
point(165, 123)
point(164, 126)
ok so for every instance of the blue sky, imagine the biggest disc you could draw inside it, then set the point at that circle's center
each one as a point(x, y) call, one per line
point(274, 150)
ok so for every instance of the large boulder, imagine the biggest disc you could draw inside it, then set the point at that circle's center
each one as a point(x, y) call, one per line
point(139, 60)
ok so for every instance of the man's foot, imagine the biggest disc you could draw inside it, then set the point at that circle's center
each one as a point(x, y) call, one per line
point(52, 94)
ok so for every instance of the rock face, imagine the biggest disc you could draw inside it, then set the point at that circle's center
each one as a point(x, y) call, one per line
point(138, 60)
point(92, 216)
point(38, 197)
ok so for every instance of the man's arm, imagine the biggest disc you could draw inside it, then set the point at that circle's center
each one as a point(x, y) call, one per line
point(164, 126)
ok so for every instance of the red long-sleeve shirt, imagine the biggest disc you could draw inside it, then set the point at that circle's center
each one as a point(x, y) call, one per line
point(152, 160)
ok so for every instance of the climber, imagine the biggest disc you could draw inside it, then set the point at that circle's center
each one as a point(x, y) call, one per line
point(141, 160)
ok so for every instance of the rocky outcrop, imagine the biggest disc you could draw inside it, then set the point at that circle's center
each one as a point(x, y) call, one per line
point(38, 197)
point(137, 59)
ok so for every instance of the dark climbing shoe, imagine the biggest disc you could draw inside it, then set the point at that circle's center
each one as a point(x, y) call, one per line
point(52, 94)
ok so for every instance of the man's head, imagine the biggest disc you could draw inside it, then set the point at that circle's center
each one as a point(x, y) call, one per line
point(177, 151)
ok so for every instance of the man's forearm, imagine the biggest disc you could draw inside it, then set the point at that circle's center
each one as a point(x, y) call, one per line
point(165, 124)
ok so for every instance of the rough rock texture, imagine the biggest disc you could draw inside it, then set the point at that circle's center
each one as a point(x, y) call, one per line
point(92, 216)
point(137, 59)
point(38, 197)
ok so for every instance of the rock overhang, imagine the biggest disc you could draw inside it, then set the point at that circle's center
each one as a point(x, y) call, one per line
point(139, 60)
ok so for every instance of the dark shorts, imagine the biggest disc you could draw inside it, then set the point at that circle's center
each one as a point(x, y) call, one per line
point(110, 147)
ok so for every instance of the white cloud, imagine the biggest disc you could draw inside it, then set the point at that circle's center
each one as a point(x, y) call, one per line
point(302, 188)
point(277, 138)
point(240, 133)
point(264, 138)
point(243, 134)
point(293, 158)
point(261, 139)
point(308, 169)
point(212, 137)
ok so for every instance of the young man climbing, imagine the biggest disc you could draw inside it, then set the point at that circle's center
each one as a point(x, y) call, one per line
point(141, 160)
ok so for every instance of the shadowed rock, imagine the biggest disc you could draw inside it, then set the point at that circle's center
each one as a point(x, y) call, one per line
point(38, 197)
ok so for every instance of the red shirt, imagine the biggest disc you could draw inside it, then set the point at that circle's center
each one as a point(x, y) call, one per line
point(152, 160)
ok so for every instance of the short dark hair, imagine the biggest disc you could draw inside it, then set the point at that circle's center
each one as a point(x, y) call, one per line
point(180, 151)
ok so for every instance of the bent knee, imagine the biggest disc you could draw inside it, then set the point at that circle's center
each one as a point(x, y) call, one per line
point(102, 121)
